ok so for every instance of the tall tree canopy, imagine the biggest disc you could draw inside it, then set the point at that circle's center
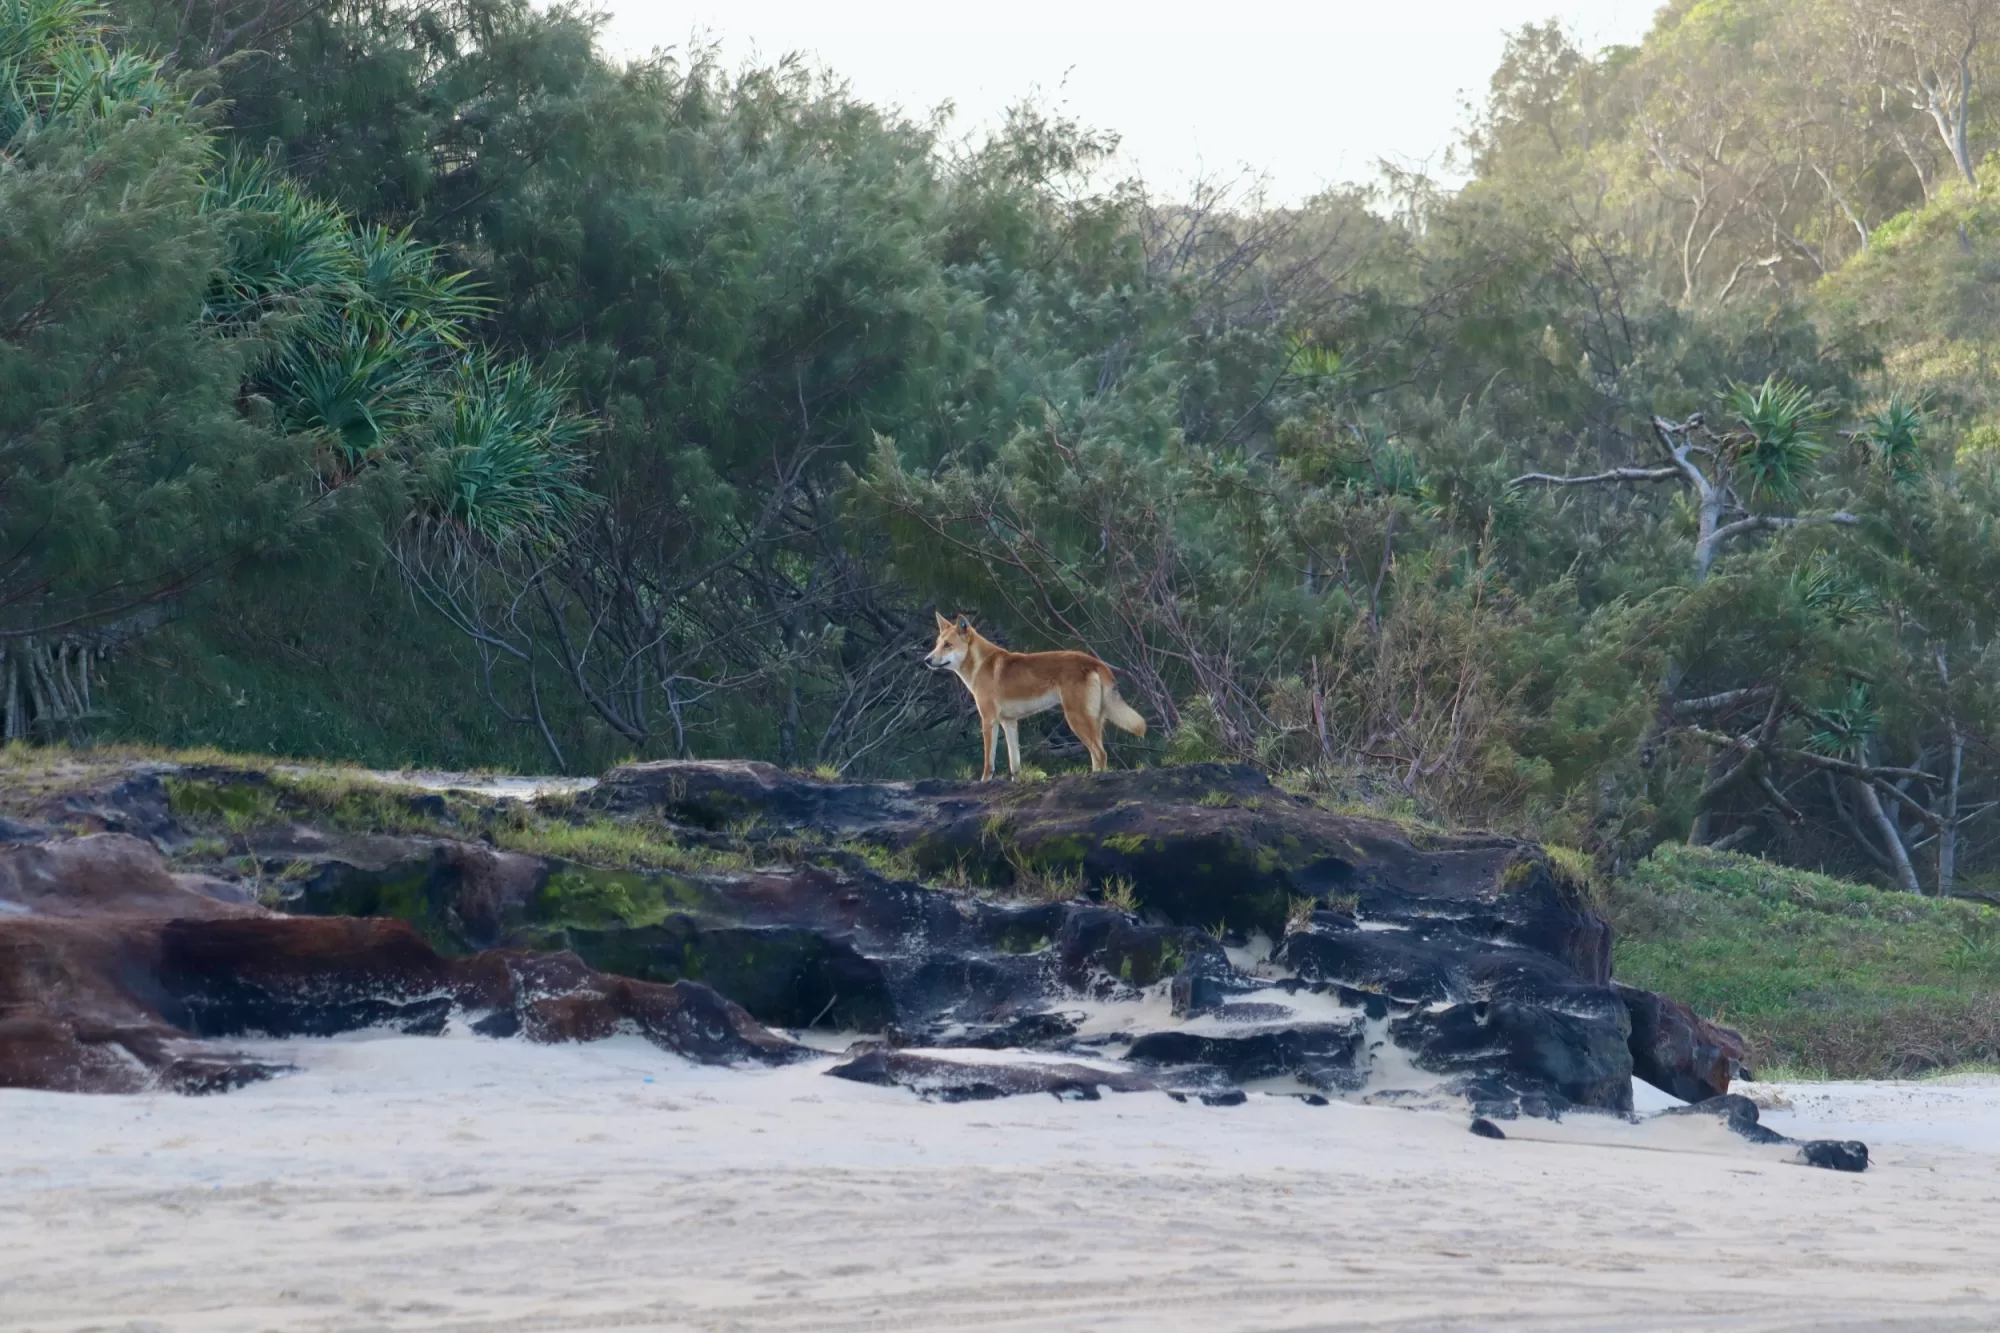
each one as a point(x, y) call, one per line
point(1639, 488)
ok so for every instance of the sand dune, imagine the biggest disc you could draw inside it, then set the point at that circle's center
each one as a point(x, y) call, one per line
point(461, 1184)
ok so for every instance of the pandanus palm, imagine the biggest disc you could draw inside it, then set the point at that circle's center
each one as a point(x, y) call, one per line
point(55, 66)
point(500, 455)
point(1778, 443)
point(368, 322)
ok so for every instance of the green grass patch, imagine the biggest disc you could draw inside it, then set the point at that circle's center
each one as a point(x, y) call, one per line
point(600, 900)
point(613, 843)
point(1823, 976)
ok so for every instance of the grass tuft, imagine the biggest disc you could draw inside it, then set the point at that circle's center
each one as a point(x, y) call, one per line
point(1120, 892)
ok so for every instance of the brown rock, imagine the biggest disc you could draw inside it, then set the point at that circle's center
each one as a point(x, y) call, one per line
point(1677, 1050)
point(119, 1002)
point(102, 875)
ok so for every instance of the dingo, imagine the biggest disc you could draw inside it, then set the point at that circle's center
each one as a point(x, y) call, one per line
point(1009, 686)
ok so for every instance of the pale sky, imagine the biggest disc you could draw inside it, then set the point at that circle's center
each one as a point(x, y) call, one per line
point(1306, 94)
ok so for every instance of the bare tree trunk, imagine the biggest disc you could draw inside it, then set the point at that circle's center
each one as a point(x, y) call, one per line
point(1947, 853)
point(788, 728)
point(1703, 831)
point(1961, 114)
point(10, 668)
point(1947, 866)
point(1710, 519)
point(1892, 837)
point(1850, 824)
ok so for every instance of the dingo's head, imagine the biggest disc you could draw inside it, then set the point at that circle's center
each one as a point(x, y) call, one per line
point(954, 641)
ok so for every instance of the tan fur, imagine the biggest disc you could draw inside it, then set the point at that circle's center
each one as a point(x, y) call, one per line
point(1008, 686)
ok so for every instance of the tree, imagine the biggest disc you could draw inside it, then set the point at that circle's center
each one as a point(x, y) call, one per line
point(1767, 459)
point(127, 475)
point(1928, 50)
point(201, 363)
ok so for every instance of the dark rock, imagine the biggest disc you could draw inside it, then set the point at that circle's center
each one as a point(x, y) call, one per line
point(714, 794)
point(16, 830)
point(300, 977)
point(557, 998)
point(1233, 1097)
point(1464, 920)
point(1025, 1032)
point(313, 977)
point(461, 896)
point(1320, 1055)
point(1429, 962)
point(1100, 942)
point(1835, 1154)
point(1737, 1112)
point(1203, 843)
point(136, 805)
point(1740, 1115)
point(501, 1023)
point(790, 976)
point(1246, 1012)
point(1507, 1051)
point(431, 805)
point(946, 1080)
point(233, 891)
point(1206, 984)
point(1395, 965)
point(1678, 1051)
point(1486, 1129)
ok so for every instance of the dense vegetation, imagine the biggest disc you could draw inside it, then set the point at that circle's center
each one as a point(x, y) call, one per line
point(406, 381)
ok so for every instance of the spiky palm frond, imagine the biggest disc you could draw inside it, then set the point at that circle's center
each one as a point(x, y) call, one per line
point(1823, 587)
point(1843, 728)
point(30, 29)
point(286, 250)
point(1894, 436)
point(55, 66)
point(353, 386)
point(500, 458)
point(1317, 366)
point(1778, 443)
point(401, 283)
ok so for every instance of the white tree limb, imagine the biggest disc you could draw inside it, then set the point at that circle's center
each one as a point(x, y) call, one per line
point(1600, 478)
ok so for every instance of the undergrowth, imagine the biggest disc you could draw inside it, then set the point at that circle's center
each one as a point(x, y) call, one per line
point(1820, 974)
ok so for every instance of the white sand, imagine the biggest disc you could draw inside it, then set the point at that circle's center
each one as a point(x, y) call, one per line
point(455, 1183)
point(495, 786)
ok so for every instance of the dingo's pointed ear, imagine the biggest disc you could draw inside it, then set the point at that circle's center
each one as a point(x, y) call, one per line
point(942, 622)
point(964, 622)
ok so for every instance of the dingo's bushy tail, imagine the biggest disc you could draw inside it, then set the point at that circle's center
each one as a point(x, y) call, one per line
point(1121, 714)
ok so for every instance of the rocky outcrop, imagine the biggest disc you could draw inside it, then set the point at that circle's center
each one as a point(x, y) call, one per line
point(1192, 929)
point(1205, 845)
point(117, 975)
point(1471, 953)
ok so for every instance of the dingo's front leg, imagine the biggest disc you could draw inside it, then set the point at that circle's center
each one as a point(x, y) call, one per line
point(1012, 727)
point(989, 743)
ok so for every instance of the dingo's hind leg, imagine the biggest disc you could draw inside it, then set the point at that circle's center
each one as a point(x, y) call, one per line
point(1086, 720)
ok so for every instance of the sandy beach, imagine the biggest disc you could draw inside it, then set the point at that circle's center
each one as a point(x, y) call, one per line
point(456, 1183)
